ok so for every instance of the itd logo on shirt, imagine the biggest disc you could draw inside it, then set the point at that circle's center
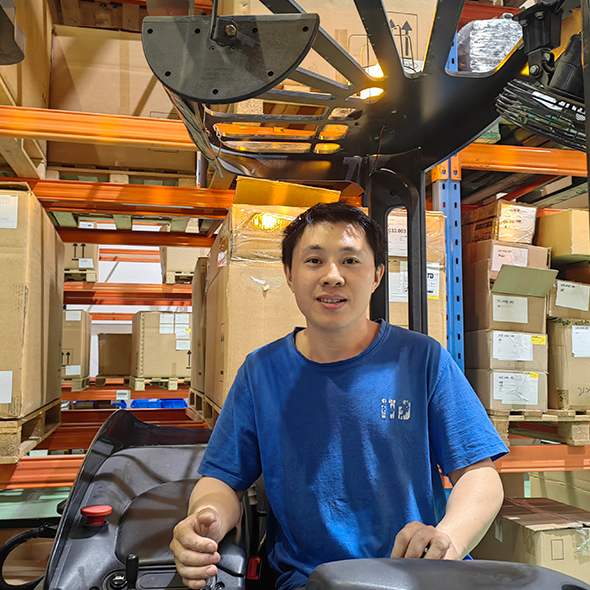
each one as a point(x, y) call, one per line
point(391, 409)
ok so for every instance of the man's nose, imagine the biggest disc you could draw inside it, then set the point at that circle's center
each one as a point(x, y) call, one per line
point(333, 276)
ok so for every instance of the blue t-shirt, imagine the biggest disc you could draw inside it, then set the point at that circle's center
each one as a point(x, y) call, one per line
point(349, 450)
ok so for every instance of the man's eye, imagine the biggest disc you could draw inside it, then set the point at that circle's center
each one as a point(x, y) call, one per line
point(314, 260)
point(350, 261)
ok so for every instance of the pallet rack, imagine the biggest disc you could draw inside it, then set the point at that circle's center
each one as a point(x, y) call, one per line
point(67, 198)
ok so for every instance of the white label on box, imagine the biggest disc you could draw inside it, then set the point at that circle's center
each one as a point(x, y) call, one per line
point(5, 387)
point(166, 318)
point(433, 280)
point(182, 332)
point(572, 295)
point(508, 308)
point(512, 346)
point(74, 316)
point(397, 236)
point(8, 211)
point(398, 287)
point(183, 318)
point(73, 370)
point(581, 341)
point(517, 388)
point(398, 282)
point(85, 263)
point(509, 255)
point(123, 394)
point(86, 225)
point(166, 329)
point(183, 345)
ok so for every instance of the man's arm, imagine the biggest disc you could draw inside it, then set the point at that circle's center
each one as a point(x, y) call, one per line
point(214, 510)
point(473, 504)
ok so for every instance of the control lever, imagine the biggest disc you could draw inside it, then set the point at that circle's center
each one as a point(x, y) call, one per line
point(131, 571)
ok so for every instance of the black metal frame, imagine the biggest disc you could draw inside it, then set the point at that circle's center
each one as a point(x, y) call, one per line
point(419, 120)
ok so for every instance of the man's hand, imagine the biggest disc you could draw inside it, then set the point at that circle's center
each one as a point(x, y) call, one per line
point(416, 538)
point(194, 546)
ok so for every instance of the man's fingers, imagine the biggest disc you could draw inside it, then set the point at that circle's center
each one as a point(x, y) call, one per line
point(438, 547)
point(205, 523)
point(417, 540)
point(195, 573)
point(421, 539)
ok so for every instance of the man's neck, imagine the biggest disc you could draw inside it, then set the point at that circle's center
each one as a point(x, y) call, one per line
point(329, 347)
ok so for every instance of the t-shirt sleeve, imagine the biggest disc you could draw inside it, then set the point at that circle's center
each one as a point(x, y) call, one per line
point(232, 454)
point(461, 432)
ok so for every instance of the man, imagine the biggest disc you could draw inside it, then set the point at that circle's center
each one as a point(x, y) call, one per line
point(349, 420)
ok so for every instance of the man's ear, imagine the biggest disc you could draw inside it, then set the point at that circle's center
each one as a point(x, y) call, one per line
point(288, 276)
point(379, 271)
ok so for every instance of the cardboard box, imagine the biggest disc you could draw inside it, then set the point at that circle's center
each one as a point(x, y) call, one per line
point(509, 390)
point(568, 487)
point(501, 220)
point(161, 344)
point(411, 26)
point(249, 303)
point(75, 346)
point(498, 350)
point(397, 236)
point(81, 256)
point(397, 245)
point(437, 297)
point(569, 300)
point(499, 253)
point(31, 300)
point(174, 259)
point(199, 333)
point(105, 71)
point(569, 364)
point(114, 355)
point(515, 302)
point(567, 234)
point(542, 532)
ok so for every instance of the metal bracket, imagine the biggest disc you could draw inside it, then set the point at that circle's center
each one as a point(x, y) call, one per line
point(226, 59)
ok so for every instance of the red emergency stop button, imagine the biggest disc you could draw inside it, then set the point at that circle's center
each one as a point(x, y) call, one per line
point(96, 513)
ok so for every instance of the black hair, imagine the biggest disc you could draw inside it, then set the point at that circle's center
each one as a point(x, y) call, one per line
point(338, 212)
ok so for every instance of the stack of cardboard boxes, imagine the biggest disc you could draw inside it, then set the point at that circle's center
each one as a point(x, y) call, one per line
point(114, 355)
point(81, 262)
point(161, 347)
point(241, 300)
point(567, 234)
point(506, 281)
point(397, 246)
point(31, 299)
point(75, 347)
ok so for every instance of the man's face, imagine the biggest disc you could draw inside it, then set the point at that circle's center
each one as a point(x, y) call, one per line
point(333, 275)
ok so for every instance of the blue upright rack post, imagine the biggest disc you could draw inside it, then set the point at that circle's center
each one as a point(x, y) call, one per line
point(446, 197)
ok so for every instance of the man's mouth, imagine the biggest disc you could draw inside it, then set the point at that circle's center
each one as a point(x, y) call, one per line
point(331, 300)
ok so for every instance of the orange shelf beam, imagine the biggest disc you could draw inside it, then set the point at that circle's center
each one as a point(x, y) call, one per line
point(506, 158)
point(109, 392)
point(559, 457)
point(94, 128)
point(76, 293)
point(127, 237)
point(111, 317)
point(129, 199)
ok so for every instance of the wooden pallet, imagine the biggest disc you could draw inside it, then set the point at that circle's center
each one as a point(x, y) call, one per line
point(174, 277)
point(169, 383)
point(77, 383)
point(81, 274)
point(19, 436)
point(564, 426)
point(203, 407)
